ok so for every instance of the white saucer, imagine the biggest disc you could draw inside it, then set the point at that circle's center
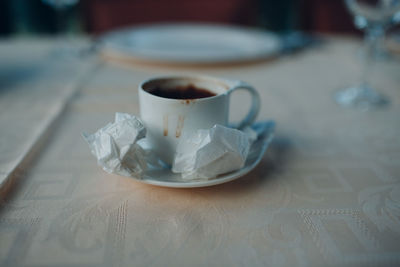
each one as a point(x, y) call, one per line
point(167, 178)
point(190, 43)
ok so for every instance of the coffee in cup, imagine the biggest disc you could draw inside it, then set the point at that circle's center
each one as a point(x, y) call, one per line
point(181, 92)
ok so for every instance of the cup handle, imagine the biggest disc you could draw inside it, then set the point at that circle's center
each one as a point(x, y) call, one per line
point(255, 103)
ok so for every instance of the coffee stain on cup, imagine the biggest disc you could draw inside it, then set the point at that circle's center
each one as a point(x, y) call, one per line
point(188, 101)
point(179, 126)
point(165, 125)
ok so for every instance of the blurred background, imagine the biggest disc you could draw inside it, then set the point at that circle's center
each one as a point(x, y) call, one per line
point(33, 17)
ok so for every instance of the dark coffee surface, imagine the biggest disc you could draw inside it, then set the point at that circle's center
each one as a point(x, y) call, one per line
point(183, 92)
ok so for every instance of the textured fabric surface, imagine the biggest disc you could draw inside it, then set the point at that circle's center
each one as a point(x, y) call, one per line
point(327, 191)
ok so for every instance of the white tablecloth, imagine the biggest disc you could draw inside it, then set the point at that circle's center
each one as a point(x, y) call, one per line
point(327, 192)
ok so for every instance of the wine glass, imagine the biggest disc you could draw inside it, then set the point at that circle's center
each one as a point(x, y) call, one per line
point(64, 47)
point(374, 17)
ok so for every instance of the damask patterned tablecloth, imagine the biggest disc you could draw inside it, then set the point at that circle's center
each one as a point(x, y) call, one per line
point(327, 192)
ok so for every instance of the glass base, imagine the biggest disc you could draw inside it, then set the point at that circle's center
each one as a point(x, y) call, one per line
point(362, 96)
point(68, 47)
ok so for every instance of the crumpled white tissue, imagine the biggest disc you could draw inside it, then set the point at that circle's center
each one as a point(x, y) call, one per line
point(116, 146)
point(210, 152)
point(121, 148)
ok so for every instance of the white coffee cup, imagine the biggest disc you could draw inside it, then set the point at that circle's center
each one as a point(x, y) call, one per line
point(166, 119)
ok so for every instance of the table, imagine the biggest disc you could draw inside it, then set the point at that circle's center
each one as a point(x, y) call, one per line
point(327, 192)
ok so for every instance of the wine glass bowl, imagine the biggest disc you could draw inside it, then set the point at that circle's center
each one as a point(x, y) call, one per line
point(61, 4)
point(369, 13)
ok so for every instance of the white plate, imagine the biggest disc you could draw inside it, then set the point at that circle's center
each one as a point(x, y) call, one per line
point(191, 43)
point(167, 178)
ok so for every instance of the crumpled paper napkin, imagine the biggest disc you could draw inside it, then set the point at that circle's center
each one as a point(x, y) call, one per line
point(116, 146)
point(209, 152)
point(121, 148)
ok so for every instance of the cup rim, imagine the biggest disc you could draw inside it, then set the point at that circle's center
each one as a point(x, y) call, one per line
point(227, 84)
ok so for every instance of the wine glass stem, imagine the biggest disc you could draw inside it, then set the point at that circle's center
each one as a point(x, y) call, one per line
point(60, 19)
point(372, 39)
